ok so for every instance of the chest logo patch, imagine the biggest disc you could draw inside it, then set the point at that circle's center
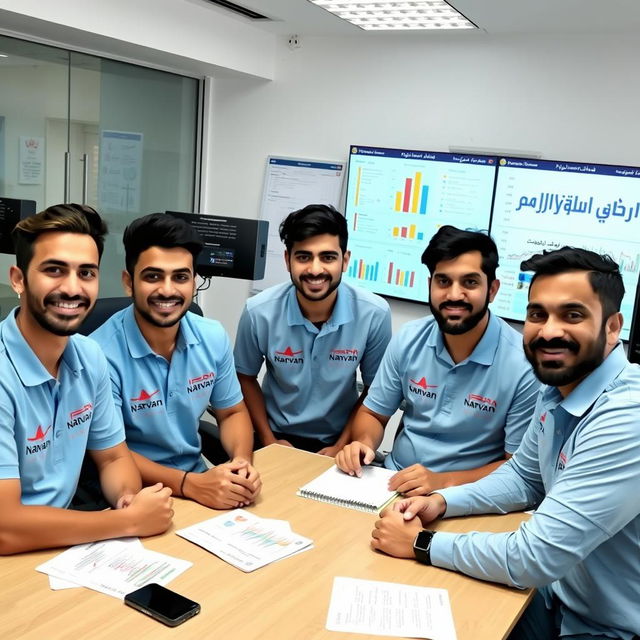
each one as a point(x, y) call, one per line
point(421, 388)
point(145, 401)
point(289, 356)
point(480, 403)
point(344, 355)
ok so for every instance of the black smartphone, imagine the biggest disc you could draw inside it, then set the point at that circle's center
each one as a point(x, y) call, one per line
point(162, 604)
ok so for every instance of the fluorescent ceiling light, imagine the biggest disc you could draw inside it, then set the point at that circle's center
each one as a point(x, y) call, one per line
point(399, 14)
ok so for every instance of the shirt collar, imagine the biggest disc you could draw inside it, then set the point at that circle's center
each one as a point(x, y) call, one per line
point(587, 392)
point(137, 343)
point(483, 353)
point(25, 362)
point(342, 310)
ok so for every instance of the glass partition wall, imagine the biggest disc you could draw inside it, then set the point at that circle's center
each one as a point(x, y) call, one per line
point(79, 128)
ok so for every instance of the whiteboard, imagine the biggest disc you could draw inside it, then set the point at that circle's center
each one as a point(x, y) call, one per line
point(291, 184)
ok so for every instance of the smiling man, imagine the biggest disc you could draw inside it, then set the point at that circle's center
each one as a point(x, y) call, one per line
point(578, 464)
point(168, 365)
point(55, 400)
point(314, 333)
point(468, 389)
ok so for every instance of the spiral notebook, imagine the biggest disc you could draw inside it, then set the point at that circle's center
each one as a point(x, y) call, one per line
point(368, 493)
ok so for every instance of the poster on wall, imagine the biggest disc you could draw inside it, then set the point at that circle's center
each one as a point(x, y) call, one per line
point(290, 184)
point(120, 171)
point(31, 160)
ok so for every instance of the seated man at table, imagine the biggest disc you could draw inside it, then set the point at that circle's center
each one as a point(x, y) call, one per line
point(578, 464)
point(468, 390)
point(168, 365)
point(55, 400)
point(314, 333)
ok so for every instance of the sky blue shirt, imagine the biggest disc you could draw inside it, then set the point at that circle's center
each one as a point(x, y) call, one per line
point(47, 424)
point(161, 402)
point(457, 416)
point(310, 384)
point(580, 462)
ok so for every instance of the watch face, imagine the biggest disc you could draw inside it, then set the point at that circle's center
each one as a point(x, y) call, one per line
point(423, 540)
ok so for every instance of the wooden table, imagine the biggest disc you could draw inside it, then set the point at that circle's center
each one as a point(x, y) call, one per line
point(288, 599)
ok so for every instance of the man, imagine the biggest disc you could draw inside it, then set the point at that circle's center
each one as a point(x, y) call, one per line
point(54, 397)
point(579, 464)
point(468, 389)
point(314, 333)
point(168, 365)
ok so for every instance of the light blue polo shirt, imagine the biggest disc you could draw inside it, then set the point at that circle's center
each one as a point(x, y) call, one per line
point(47, 424)
point(310, 384)
point(161, 402)
point(458, 416)
point(580, 461)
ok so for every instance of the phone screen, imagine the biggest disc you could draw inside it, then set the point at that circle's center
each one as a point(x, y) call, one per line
point(162, 603)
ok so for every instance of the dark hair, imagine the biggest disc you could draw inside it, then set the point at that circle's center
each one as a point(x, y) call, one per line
point(449, 242)
point(604, 273)
point(159, 230)
point(314, 220)
point(63, 218)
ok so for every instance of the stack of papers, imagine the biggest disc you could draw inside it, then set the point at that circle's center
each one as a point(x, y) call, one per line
point(114, 567)
point(245, 540)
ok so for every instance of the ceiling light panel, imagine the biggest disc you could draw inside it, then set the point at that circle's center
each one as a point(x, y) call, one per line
point(377, 15)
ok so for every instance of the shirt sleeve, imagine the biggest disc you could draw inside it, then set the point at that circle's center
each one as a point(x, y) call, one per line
point(385, 393)
point(9, 462)
point(226, 389)
point(247, 353)
point(107, 429)
point(377, 341)
point(593, 498)
point(520, 410)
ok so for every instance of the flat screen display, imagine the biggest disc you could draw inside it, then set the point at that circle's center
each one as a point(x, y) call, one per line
point(396, 199)
point(544, 204)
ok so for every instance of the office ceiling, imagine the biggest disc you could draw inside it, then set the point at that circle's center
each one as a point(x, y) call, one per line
point(492, 16)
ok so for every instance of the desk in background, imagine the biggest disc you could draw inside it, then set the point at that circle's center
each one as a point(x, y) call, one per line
point(287, 600)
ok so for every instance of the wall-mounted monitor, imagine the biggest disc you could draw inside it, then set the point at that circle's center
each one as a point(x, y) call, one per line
point(544, 204)
point(396, 199)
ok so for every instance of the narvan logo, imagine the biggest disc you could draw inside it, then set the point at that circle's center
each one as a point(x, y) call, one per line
point(203, 381)
point(144, 401)
point(289, 356)
point(421, 388)
point(480, 403)
point(344, 355)
point(79, 416)
point(39, 434)
point(40, 441)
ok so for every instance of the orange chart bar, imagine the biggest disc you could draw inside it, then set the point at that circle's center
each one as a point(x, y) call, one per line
point(413, 199)
point(358, 186)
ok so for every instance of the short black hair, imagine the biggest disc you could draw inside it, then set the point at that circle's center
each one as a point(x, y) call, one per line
point(449, 242)
point(604, 274)
point(63, 218)
point(314, 220)
point(159, 230)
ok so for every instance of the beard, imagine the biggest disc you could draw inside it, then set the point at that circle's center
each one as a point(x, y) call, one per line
point(316, 297)
point(59, 326)
point(156, 321)
point(461, 326)
point(554, 372)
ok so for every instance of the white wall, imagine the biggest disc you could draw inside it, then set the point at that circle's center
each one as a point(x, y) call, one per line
point(568, 97)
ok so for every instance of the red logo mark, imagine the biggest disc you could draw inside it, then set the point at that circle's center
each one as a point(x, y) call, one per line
point(422, 383)
point(144, 396)
point(288, 352)
point(81, 410)
point(40, 434)
point(202, 378)
point(345, 352)
point(482, 399)
point(543, 417)
point(563, 458)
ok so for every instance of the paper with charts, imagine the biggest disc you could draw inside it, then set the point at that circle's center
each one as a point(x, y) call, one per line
point(390, 609)
point(245, 540)
point(114, 567)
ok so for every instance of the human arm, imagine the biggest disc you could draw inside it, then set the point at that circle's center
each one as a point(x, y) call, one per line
point(119, 477)
point(254, 399)
point(28, 527)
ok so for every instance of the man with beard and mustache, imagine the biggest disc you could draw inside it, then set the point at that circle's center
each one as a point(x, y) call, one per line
point(468, 389)
point(55, 400)
point(314, 333)
point(578, 465)
point(169, 365)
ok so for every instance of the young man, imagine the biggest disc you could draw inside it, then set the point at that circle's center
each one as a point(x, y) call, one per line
point(55, 400)
point(314, 333)
point(579, 464)
point(468, 389)
point(168, 365)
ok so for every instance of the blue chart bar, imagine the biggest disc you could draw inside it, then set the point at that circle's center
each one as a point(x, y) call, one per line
point(423, 200)
point(362, 271)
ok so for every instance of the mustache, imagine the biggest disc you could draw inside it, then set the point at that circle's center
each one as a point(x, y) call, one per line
point(54, 298)
point(456, 304)
point(556, 343)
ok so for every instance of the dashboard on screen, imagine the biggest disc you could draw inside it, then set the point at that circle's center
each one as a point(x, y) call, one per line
point(543, 204)
point(396, 199)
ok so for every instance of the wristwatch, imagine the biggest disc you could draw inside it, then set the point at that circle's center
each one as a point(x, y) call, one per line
point(422, 546)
